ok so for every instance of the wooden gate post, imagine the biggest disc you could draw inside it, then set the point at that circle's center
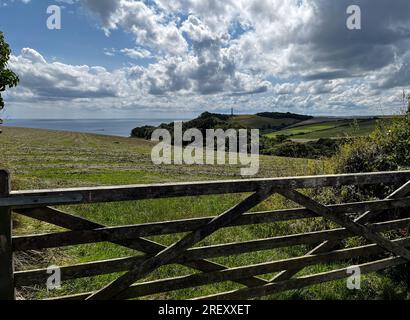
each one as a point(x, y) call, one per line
point(6, 250)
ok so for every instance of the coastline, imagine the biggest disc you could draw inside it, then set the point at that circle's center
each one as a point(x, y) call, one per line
point(104, 127)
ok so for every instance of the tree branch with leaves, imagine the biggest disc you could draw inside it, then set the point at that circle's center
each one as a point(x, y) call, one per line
point(7, 77)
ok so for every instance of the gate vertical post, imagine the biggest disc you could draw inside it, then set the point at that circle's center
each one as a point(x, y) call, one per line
point(6, 251)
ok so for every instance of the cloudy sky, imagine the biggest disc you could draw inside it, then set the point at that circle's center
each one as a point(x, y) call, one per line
point(178, 58)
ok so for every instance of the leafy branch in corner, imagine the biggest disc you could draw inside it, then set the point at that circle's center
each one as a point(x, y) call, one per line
point(7, 77)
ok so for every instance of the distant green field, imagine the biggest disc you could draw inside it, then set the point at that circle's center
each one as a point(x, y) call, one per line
point(301, 130)
point(258, 122)
point(361, 128)
point(331, 129)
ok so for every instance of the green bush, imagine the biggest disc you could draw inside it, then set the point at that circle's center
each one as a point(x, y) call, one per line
point(387, 148)
point(313, 149)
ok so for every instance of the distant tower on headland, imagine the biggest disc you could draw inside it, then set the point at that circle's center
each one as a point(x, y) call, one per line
point(231, 112)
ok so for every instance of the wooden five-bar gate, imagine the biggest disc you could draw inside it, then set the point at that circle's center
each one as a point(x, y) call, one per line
point(40, 204)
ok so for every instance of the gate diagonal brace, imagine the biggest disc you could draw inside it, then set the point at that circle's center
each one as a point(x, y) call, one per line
point(149, 247)
point(327, 246)
point(178, 248)
point(344, 221)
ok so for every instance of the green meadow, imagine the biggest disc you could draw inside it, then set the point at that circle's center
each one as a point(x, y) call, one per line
point(259, 122)
point(39, 159)
point(330, 129)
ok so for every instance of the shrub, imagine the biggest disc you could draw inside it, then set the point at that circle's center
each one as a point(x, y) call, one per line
point(387, 148)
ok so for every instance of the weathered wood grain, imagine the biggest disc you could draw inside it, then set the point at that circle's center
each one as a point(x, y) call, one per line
point(35, 204)
point(6, 250)
point(305, 281)
point(355, 227)
point(173, 251)
point(112, 234)
point(328, 245)
point(189, 281)
point(42, 198)
point(25, 278)
point(68, 221)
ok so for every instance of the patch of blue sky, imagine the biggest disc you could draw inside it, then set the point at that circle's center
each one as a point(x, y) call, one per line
point(237, 29)
point(80, 40)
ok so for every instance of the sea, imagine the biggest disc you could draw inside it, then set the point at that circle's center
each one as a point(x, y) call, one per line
point(111, 127)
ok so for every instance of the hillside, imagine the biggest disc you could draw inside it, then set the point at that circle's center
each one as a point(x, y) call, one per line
point(273, 124)
point(266, 122)
point(283, 134)
point(259, 122)
point(329, 129)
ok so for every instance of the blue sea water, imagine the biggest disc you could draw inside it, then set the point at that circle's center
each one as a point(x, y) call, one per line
point(112, 127)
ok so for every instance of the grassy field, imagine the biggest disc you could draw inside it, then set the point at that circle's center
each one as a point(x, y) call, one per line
point(258, 122)
point(44, 159)
point(329, 129)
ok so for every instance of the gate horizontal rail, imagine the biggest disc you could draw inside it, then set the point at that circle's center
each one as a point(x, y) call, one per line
point(39, 198)
point(149, 255)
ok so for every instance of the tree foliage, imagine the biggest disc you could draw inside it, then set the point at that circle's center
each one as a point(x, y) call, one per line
point(7, 77)
point(387, 148)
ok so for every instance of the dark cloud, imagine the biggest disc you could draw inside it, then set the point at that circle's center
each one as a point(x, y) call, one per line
point(328, 75)
point(384, 36)
point(102, 8)
point(261, 89)
point(399, 77)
